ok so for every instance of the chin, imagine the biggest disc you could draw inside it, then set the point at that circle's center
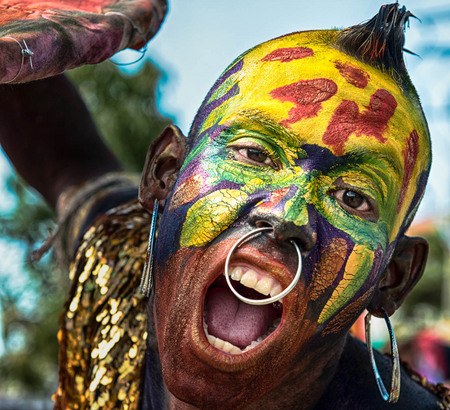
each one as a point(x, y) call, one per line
point(215, 350)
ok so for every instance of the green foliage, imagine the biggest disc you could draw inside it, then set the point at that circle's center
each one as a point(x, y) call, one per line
point(124, 108)
point(30, 306)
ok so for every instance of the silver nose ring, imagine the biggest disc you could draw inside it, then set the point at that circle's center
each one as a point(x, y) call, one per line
point(272, 299)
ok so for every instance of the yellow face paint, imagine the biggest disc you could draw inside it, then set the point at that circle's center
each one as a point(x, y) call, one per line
point(324, 97)
point(291, 128)
point(207, 224)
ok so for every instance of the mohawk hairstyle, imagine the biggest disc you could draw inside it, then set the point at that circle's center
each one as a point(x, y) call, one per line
point(379, 42)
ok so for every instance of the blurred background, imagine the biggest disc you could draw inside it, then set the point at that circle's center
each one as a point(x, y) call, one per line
point(132, 104)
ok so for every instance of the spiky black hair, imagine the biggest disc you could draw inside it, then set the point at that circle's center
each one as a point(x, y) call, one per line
point(379, 42)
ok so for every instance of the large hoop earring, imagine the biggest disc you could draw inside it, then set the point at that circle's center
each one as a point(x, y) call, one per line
point(146, 285)
point(272, 299)
point(394, 394)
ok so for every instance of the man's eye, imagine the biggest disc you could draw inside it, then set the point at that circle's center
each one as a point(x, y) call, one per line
point(353, 199)
point(355, 203)
point(255, 156)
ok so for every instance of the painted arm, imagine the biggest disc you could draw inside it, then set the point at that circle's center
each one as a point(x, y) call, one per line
point(50, 138)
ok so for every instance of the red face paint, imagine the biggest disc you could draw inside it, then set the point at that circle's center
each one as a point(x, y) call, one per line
point(307, 95)
point(288, 54)
point(372, 122)
point(275, 199)
point(353, 74)
point(410, 156)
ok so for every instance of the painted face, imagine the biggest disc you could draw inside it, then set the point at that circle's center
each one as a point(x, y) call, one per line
point(325, 149)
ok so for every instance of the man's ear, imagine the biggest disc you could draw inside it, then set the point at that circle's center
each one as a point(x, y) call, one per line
point(403, 272)
point(162, 165)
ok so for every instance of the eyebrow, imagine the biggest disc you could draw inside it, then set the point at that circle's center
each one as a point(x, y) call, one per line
point(362, 153)
point(264, 123)
point(261, 121)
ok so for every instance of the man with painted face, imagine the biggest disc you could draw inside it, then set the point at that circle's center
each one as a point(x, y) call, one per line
point(280, 219)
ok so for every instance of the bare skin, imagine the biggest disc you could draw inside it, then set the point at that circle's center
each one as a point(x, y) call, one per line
point(51, 148)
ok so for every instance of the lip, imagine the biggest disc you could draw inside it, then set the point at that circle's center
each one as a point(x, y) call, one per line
point(250, 256)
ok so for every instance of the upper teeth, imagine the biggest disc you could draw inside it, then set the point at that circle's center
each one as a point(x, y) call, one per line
point(261, 283)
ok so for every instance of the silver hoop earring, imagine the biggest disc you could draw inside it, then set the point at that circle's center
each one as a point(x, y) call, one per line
point(394, 394)
point(146, 285)
point(272, 299)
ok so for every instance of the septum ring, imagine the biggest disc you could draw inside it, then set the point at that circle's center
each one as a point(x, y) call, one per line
point(259, 302)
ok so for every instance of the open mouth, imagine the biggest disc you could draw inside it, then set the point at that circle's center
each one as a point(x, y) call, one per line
point(236, 327)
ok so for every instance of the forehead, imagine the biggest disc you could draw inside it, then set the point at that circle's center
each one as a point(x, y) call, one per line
point(317, 93)
point(301, 90)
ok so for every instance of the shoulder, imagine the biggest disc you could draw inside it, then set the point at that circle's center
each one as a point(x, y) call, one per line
point(80, 206)
point(354, 386)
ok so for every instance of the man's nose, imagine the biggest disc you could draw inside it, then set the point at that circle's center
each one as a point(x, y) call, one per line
point(304, 235)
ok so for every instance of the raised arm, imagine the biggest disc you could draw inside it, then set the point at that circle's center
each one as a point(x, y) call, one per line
point(50, 138)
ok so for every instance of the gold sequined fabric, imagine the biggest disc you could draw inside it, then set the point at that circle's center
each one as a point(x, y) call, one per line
point(104, 327)
point(439, 389)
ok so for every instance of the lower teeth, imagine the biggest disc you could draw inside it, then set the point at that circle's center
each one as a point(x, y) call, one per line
point(227, 347)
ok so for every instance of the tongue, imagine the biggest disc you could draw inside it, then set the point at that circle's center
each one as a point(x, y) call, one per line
point(234, 321)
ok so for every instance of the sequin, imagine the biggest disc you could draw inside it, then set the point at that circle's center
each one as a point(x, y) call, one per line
point(104, 327)
point(133, 352)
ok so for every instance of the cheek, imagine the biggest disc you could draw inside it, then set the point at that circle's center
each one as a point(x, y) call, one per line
point(189, 186)
point(352, 281)
point(173, 283)
point(201, 207)
point(342, 275)
point(210, 216)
